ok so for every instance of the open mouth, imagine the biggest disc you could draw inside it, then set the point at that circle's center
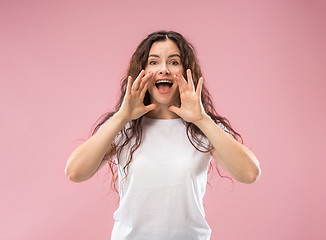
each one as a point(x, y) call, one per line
point(164, 84)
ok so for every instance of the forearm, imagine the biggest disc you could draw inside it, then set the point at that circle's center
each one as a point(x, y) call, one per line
point(86, 158)
point(233, 156)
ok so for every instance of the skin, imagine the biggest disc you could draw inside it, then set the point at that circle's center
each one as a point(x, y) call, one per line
point(164, 62)
point(183, 101)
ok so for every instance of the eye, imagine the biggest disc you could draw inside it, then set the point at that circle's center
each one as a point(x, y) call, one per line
point(152, 62)
point(175, 63)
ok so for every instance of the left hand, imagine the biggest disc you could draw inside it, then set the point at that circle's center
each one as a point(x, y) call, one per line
point(191, 109)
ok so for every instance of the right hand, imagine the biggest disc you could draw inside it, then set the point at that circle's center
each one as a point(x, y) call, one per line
point(133, 103)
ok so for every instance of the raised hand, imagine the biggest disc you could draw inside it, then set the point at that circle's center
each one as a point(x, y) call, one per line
point(191, 109)
point(133, 106)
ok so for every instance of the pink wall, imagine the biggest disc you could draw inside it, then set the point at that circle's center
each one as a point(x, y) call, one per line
point(60, 65)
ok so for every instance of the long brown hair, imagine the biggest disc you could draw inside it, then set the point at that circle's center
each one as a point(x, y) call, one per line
point(137, 63)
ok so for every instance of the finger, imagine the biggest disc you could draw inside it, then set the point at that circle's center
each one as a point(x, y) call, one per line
point(180, 81)
point(174, 109)
point(145, 79)
point(180, 74)
point(199, 86)
point(143, 91)
point(186, 81)
point(189, 77)
point(128, 89)
point(135, 85)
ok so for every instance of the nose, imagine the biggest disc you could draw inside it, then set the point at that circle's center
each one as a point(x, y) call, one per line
point(164, 70)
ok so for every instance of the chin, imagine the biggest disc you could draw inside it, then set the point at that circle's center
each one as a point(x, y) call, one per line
point(166, 101)
point(172, 98)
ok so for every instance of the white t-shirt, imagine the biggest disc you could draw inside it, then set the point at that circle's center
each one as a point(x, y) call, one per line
point(162, 198)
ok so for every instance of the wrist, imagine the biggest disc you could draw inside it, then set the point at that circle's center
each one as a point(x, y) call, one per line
point(121, 117)
point(203, 120)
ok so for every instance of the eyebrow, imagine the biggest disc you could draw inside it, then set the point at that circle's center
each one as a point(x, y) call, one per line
point(172, 55)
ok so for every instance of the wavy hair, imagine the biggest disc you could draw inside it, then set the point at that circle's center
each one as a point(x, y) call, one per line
point(133, 129)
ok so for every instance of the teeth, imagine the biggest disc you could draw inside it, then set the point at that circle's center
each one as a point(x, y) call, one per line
point(163, 81)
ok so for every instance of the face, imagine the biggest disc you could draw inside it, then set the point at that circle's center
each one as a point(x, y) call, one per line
point(164, 61)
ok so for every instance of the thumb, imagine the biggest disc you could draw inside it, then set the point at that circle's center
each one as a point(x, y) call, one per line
point(174, 109)
point(150, 107)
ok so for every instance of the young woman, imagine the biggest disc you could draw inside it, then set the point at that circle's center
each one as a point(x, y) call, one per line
point(162, 137)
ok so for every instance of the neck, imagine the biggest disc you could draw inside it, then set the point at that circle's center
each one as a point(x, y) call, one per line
point(162, 112)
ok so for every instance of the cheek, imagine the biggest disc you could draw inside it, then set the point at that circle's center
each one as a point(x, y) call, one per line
point(177, 70)
point(150, 68)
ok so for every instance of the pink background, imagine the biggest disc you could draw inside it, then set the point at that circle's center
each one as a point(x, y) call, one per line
point(60, 66)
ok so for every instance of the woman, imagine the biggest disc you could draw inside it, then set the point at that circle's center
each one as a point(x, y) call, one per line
point(162, 137)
